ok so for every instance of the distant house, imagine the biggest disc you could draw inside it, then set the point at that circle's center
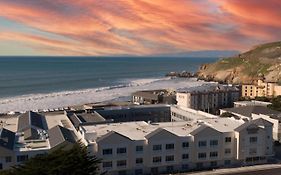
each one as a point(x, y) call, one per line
point(7, 141)
point(161, 96)
point(61, 137)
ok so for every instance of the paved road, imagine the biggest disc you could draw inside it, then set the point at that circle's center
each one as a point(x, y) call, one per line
point(276, 171)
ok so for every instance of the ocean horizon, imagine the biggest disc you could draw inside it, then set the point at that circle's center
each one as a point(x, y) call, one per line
point(38, 83)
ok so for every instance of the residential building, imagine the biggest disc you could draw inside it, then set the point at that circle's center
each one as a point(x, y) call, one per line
point(169, 147)
point(161, 96)
point(255, 112)
point(209, 99)
point(261, 89)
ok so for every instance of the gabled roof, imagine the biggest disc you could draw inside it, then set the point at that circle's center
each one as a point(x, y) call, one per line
point(156, 131)
point(7, 139)
point(109, 134)
point(31, 134)
point(30, 119)
point(59, 134)
point(257, 122)
point(249, 110)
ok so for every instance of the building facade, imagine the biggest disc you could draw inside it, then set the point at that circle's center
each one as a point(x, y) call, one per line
point(162, 96)
point(209, 100)
point(135, 148)
point(261, 89)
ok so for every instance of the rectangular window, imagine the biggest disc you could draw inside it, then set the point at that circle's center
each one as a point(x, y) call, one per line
point(185, 156)
point(170, 146)
point(8, 159)
point(139, 160)
point(214, 154)
point(214, 142)
point(22, 158)
point(170, 169)
point(121, 163)
point(185, 144)
point(107, 164)
point(227, 151)
point(202, 155)
point(170, 158)
point(227, 139)
point(227, 162)
point(184, 167)
point(199, 165)
point(121, 150)
point(213, 163)
point(202, 143)
point(253, 139)
point(157, 159)
point(107, 151)
point(123, 172)
point(138, 172)
point(139, 148)
point(157, 147)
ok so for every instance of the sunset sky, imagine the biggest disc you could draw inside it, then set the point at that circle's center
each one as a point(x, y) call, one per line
point(135, 27)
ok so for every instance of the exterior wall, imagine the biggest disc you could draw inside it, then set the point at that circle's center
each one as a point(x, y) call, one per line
point(261, 89)
point(4, 154)
point(263, 147)
point(207, 101)
point(277, 90)
point(276, 128)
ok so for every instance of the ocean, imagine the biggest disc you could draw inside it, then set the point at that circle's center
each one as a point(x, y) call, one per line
point(32, 83)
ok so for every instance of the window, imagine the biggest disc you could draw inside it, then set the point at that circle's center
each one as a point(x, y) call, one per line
point(252, 151)
point(139, 148)
point(157, 159)
point(8, 159)
point(202, 155)
point(199, 165)
point(170, 158)
point(214, 142)
point(227, 151)
point(227, 139)
point(170, 169)
point(253, 139)
point(184, 167)
point(154, 170)
point(185, 144)
point(157, 147)
point(121, 163)
point(107, 164)
point(1, 166)
point(121, 150)
point(138, 172)
point(213, 163)
point(170, 146)
point(227, 162)
point(202, 143)
point(22, 158)
point(123, 172)
point(139, 160)
point(107, 151)
point(214, 154)
point(185, 156)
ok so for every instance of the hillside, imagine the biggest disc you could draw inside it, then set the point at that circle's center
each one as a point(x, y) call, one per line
point(263, 60)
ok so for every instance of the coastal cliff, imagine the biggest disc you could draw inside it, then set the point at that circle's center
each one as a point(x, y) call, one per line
point(261, 61)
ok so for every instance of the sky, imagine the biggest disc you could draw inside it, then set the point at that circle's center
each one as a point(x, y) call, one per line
point(135, 27)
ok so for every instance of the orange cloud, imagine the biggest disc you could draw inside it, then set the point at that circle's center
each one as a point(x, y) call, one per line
point(143, 27)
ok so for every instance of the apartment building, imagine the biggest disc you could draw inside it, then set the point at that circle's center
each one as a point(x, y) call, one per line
point(209, 99)
point(152, 148)
point(29, 134)
point(255, 112)
point(261, 89)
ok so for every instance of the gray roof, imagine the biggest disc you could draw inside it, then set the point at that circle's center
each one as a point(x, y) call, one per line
point(59, 134)
point(7, 138)
point(207, 88)
point(30, 119)
point(82, 118)
point(31, 134)
point(249, 110)
point(258, 122)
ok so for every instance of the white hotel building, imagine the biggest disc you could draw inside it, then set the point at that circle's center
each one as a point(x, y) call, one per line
point(134, 148)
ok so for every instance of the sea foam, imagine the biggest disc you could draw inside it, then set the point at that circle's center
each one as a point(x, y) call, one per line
point(77, 97)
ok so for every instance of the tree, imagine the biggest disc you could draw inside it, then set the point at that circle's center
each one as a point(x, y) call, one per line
point(74, 161)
